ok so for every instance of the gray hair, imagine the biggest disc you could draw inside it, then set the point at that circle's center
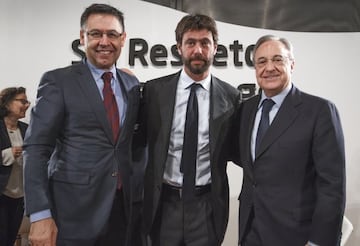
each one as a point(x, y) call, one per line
point(266, 38)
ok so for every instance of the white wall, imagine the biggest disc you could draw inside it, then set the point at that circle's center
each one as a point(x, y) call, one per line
point(36, 36)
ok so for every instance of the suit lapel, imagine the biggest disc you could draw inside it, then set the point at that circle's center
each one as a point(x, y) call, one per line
point(283, 119)
point(218, 105)
point(221, 108)
point(5, 140)
point(88, 85)
point(250, 125)
point(168, 90)
point(125, 90)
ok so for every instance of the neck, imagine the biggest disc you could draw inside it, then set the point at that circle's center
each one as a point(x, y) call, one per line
point(197, 77)
point(11, 123)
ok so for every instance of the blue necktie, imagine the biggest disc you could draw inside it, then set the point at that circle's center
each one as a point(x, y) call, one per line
point(264, 121)
point(189, 153)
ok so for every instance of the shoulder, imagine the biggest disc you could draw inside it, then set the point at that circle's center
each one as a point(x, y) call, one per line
point(225, 86)
point(64, 73)
point(166, 78)
point(310, 99)
point(128, 77)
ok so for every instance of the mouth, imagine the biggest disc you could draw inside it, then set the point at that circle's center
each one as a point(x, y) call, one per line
point(271, 77)
point(198, 61)
point(104, 52)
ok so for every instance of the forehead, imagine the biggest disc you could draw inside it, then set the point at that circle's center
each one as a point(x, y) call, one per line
point(103, 22)
point(198, 35)
point(21, 95)
point(271, 48)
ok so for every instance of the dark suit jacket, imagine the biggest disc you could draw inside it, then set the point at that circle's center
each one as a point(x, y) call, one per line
point(70, 139)
point(297, 182)
point(5, 143)
point(159, 106)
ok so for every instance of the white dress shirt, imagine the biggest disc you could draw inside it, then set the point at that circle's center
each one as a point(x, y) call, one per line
point(172, 174)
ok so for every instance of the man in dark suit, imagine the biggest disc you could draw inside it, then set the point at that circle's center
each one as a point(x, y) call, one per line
point(174, 215)
point(293, 189)
point(78, 167)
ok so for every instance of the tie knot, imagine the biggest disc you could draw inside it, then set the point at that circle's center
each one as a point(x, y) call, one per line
point(107, 76)
point(194, 86)
point(267, 105)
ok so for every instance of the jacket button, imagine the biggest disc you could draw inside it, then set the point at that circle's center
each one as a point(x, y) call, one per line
point(114, 174)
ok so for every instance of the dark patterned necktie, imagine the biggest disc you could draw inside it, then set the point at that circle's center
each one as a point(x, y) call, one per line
point(264, 121)
point(111, 105)
point(189, 153)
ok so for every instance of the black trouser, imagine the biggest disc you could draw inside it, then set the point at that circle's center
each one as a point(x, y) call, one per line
point(251, 237)
point(181, 223)
point(11, 215)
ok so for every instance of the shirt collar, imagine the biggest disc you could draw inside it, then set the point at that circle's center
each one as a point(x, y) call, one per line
point(279, 98)
point(185, 81)
point(97, 73)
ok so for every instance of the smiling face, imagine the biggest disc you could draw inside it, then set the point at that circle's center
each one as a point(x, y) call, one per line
point(273, 67)
point(103, 38)
point(18, 106)
point(197, 50)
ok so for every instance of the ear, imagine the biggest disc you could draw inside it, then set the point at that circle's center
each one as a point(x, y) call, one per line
point(82, 37)
point(123, 38)
point(215, 49)
point(178, 46)
point(292, 65)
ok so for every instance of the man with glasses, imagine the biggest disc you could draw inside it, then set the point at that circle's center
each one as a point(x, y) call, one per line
point(291, 149)
point(79, 185)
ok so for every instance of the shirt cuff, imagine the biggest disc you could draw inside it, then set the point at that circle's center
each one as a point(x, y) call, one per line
point(312, 244)
point(44, 214)
point(7, 157)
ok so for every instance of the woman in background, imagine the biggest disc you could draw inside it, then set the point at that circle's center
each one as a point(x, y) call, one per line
point(13, 106)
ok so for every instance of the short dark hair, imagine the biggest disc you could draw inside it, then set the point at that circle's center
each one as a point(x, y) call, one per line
point(196, 22)
point(6, 96)
point(97, 8)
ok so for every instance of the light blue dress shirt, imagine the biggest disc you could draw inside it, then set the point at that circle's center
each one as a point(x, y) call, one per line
point(278, 99)
point(115, 86)
point(172, 174)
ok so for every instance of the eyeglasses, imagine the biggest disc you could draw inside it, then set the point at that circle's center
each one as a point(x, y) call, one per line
point(23, 101)
point(97, 35)
point(276, 60)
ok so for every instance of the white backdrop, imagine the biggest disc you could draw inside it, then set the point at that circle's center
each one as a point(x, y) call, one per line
point(36, 36)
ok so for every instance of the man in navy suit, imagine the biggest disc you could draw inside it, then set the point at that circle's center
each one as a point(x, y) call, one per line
point(79, 173)
point(293, 189)
point(170, 216)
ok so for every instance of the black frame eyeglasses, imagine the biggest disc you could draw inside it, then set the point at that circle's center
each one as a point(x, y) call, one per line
point(23, 101)
point(97, 35)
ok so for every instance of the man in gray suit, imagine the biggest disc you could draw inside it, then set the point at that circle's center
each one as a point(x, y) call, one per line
point(292, 154)
point(188, 204)
point(78, 164)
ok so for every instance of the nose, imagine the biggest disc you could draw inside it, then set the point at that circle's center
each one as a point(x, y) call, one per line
point(104, 40)
point(269, 65)
point(198, 48)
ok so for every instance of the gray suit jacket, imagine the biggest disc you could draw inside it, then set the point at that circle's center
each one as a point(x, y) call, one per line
point(159, 107)
point(296, 183)
point(71, 160)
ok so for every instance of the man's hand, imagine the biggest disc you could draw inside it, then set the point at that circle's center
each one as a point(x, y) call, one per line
point(43, 233)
